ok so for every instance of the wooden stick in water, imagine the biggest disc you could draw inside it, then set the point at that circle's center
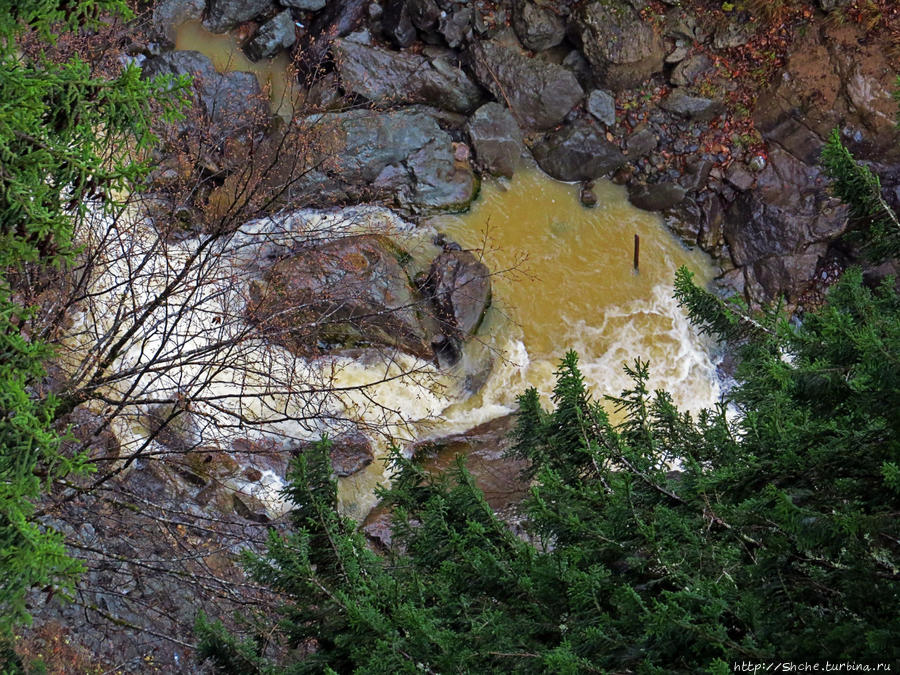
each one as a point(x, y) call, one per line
point(637, 252)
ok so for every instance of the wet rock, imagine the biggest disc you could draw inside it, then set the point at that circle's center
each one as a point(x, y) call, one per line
point(679, 102)
point(587, 195)
point(789, 215)
point(739, 177)
point(226, 14)
point(338, 19)
point(656, 196)
point(580, 67)
point(402, 156)
point(695, 175)
point(273, 36)
point(602, 105)
point(641, 143)
point(577, 152)
point(460, 289)
point(497, 140)
point(623, 50)
point(233, 102)
point(386, 77)
point(484, 447)
point(345, 293)
point(456, 26)
point(537, 25)
point(169, 14)
point(538, 93)
point(686, 72)
point(305, 5)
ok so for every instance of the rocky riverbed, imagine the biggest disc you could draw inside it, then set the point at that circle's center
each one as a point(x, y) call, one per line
point(713, 118)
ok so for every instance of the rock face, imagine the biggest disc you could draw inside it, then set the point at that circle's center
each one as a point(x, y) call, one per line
point(226, 14)
point(401, 156)
point(577, 152)
point(497, 140)
point(346, 293)
point(273, 36)
point(538, 26)
point(386, 77)
point(780, 230)
point(622, 49)
point(539, 94)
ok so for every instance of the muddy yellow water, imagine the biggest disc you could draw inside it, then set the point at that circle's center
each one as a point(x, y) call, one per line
point(570, 284)
point(275, 75)
point(564, 280)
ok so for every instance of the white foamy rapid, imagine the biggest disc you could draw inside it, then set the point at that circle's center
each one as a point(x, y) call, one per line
point(197, 346)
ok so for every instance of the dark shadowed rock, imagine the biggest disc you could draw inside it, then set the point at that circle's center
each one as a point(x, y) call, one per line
point(346, 293)
point(396, 23)
point(778, 230)
point(456, 26)
point(656, 196)
point(577, 152)
point(537, 25)
point(497, 140)
point(273, 36)
point(679, 102)
point(623, 50)
point(640, 143)
point(226, 14)
point(539, 94)
point(386, 77)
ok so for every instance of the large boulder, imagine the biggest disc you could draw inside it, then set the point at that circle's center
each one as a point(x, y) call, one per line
point(623, 50)
point(538, 26)
point(577, 152)
point(349, 292)
point(497, 140)
point(460, 289)
point(226, 14)
point(386, 77)
point(169, 14)
point(403, 157)
point(351, 452)
point(539, 94)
